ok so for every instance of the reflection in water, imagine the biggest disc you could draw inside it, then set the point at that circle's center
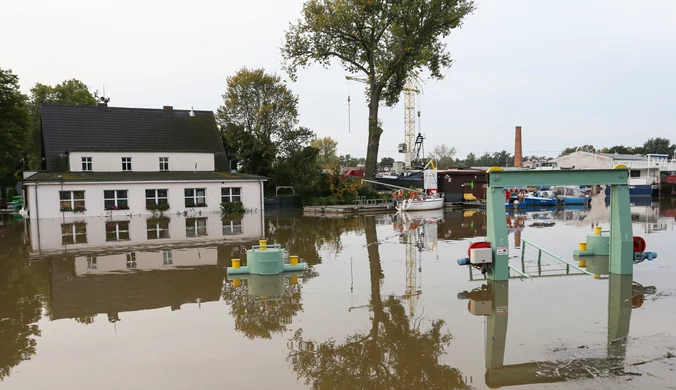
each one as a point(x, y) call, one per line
point(393, 353)
point(23, 291)
point(264, 305)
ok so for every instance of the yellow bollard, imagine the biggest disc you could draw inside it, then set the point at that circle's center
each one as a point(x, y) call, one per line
point(583, 246)
point(235, 263)
point(597, 276)
point(236, 283)
point(597, 230)
point(582, 263)
point(293, 260)
point(294, 279)
point(262, 244)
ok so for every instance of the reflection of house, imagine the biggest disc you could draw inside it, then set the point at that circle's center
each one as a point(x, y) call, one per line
point(88, 233)
point(113, 161)
point(112, 293)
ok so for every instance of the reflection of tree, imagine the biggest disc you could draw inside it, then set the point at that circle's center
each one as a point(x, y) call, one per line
point(256, 317)
point(395, 353)
point(22, 293)
point(310, 234)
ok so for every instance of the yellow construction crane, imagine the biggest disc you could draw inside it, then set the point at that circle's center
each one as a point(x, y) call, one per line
point(410, 90)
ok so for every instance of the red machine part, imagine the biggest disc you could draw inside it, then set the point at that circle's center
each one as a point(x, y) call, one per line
point(639, 244)
point(481, 244)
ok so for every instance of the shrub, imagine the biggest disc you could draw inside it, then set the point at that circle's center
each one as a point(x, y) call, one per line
point(324, 201)
point(346, 189)
point(111, 207)
point(232, 207)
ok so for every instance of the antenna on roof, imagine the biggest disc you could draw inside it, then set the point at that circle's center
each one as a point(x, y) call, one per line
point(192, 113)
point(104, 99)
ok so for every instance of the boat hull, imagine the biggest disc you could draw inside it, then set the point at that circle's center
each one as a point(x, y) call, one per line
point(421, 205)
point(405, 182)
point(640, 190)
point(573, 200)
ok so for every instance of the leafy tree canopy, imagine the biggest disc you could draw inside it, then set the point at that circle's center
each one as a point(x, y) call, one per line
point(444, 156)
point(327, 157)
point(14, 126)
point(259, 120)
point(385, 40)
point(387, 161)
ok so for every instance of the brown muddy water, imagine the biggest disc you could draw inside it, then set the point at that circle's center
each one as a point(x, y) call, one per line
point(146, 304)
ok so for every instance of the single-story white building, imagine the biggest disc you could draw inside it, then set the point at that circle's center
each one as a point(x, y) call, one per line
point(116, 162)
point(586, 160)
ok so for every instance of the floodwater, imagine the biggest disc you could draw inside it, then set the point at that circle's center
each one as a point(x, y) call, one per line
point(147, 304)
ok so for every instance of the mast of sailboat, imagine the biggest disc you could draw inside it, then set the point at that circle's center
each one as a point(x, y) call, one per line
point(393, 186)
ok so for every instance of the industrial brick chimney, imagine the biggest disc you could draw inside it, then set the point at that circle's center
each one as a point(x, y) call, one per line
point(518, 151)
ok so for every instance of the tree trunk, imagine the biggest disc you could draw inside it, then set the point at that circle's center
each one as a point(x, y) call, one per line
point(374, 134)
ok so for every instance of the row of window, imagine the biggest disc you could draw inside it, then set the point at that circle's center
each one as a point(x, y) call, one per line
point(167, 259)
point(126, 163)
point(76, 233)
point(119, 200)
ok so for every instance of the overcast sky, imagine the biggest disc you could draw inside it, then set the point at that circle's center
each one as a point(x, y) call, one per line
point(573, 72)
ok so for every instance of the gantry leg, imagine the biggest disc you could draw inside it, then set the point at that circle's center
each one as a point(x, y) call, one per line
point(621, 235)
point(497, 233)
point(619, 314)
point(496, 328)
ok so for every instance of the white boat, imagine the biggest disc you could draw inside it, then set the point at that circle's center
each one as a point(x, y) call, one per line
point(418, 204)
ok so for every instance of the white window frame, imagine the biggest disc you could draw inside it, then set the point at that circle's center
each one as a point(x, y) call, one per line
point(116, 198)
point(86, 164)
point(194, 198)
point(72, 199)
point(164, 163)
point(167, 257)
point(91, 262)
point(155, 230)
point(118, 231)
point(232, 228)
point(228, 196)
point(156, 198)
point(195, 227)
point(126, 163)
point(73, 233)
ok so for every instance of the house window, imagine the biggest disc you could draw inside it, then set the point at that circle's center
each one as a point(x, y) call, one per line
point(73, 233)
point(115, 200)
point(167, 257)
point(91, 262)
point(164, 163)
point(158, 229)
point(126, 163)
point(86, 163)
point(156, 197)
point(196, 227)
point(232, 227)
point(195, 197)
point(131, 259)
point(72, 200)
point(117, 231)
point(231, 194)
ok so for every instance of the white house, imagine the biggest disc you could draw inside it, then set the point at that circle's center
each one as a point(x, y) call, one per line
point(118, 162)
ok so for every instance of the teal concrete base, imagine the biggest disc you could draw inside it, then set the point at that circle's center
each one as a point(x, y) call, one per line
point(246, 270)
point(268, 260)
point(596, 246)
point(266, 285)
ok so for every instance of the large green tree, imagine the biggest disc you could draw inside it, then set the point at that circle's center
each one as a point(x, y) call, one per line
point(14, 126)
point(444, 156)
point(327, 157)
point(386, 40)
point(259, 120)
point(69, 92)
point(659, 146)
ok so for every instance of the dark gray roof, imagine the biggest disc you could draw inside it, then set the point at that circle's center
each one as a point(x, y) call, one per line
point(109, 129)
point(43, 176)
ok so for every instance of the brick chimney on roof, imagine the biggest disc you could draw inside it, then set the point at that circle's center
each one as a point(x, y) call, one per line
point(518, 152)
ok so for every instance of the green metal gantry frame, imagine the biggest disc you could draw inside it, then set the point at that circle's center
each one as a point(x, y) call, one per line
point(621, 235)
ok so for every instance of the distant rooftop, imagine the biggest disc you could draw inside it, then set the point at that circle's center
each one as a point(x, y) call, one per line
point(626, 157)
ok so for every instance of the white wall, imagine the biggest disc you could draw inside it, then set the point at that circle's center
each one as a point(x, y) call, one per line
point(142, 162)
point(49, 202)
point(46, 233)
point(584, 160)
point(146, 260)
